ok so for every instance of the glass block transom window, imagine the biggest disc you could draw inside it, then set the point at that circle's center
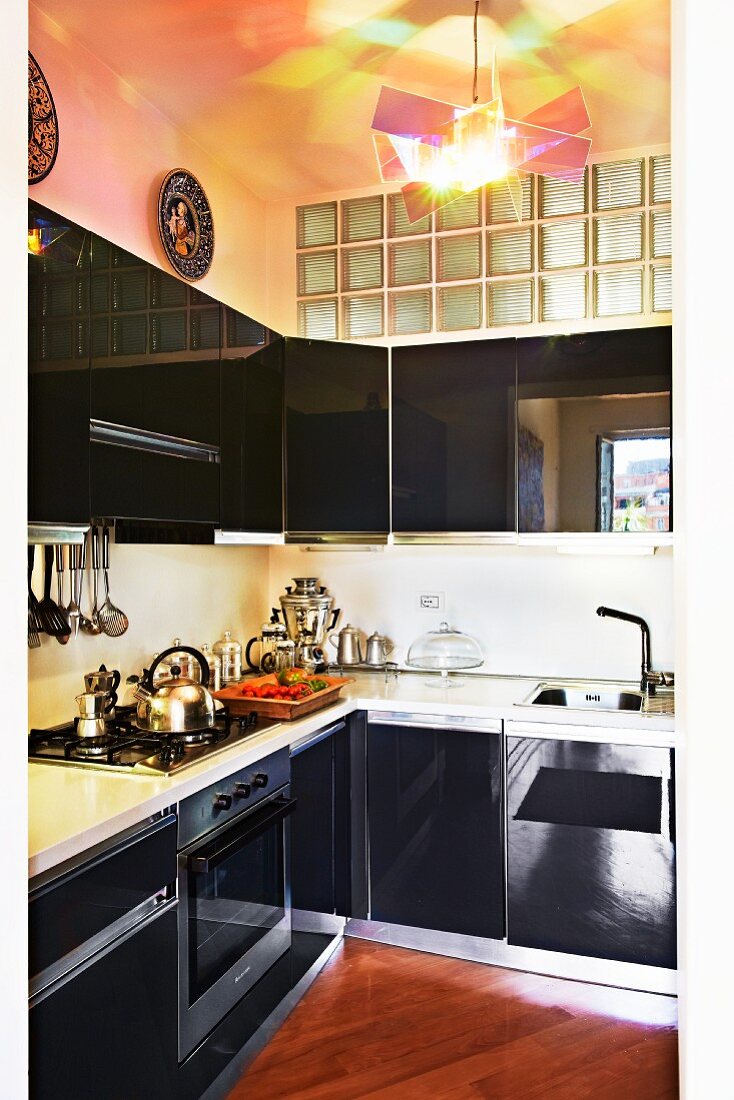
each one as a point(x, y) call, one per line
point(600, 248)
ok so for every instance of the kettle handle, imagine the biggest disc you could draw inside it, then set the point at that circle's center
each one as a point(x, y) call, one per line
point(203, 664)
point(248, 648)
point(275, 613)
point(334, 617)
point(331, 639)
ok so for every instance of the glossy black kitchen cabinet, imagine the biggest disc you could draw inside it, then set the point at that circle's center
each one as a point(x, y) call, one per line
point(336, 415)
point(155, 344)
point(320, 848)
point(58, 371)
point(111, 1029)
point(434, 808)
point(594, 419)
point(591, 849)
point(252, 430)
point(453, 437)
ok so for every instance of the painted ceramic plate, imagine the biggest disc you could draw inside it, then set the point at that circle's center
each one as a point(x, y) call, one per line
point(185, 224)
point(43, 125)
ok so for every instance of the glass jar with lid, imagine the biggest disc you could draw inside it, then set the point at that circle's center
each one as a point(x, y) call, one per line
point(445, 651)
point(229, 651)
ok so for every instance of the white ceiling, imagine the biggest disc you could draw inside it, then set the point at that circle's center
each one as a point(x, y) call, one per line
point(282, 92)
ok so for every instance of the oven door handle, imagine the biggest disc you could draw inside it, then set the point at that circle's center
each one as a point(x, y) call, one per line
point(208, 857)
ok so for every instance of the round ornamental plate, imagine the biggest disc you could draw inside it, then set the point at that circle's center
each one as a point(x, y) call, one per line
point(43, 125)
point(185, 224)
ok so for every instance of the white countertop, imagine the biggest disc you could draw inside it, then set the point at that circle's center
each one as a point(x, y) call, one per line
point(72, 809)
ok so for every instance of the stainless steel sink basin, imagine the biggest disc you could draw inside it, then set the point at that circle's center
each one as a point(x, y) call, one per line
point(586, 697)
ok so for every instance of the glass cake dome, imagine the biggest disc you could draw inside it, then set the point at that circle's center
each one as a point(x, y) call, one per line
point(445, 650)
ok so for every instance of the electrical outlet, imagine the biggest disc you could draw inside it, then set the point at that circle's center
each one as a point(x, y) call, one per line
point(431, 601)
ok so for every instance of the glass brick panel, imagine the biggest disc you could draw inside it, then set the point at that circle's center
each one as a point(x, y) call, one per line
point(168, 331)
point(563, 297)
point(617, 292)
point(363, 316)
point(362, 219)
point(662, 289)
point(410, 312)
point(205, 328)
point(558, 197)
point(660, 179)
point(397, 219)
point(243, 331)
point(100, 344)
point(459, 307)
point(462, 213)
point(662, 233)
point(57, 298)
point(130, 334)
point(100, 293)
point(500, 207)
point(459, 257)
point(409, 262)
point(362, 268)
point(317, 273)
point(121, 258)
point(316, 225)
point(509, 252)
point(619, 183)
point(618, 239)
point(165, 291)
point(129, 290)
point(57, 340)
point(317, 320)
point(510, 302)
point(563, 244)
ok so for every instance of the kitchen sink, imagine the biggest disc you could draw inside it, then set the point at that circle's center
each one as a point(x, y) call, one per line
point(586, 697)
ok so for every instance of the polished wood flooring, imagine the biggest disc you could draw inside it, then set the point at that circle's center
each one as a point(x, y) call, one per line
point(388, 1024)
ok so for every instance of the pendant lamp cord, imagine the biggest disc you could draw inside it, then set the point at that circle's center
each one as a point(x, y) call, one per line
point(475, 89)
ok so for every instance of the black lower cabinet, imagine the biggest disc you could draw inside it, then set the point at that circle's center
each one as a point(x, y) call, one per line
point(591, 849)
point(111, 1029)
point(320, 874)
point(434, 799)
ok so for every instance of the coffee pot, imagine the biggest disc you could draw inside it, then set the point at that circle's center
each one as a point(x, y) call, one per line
point(106, 682)
point(348, 645)
point(378, 649)
point(270, 634)
point(91, 720)
point(306, 609)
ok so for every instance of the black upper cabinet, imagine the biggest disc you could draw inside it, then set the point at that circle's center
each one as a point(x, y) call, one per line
point(591, 849)
point(435, 829)
point(453, 439)
point(594, 419)
point(252, 428)
point(58, 397)
point(337, 461)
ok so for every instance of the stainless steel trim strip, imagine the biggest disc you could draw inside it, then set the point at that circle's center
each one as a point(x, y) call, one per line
point(59, 973)
point(139, 439)
point(597, 538)
point(248, 538)
point(583, 968)
point(46, 534)
point(304, 920)
point(567, 731)
point(454, 538)
point(434, 721)
point(314, 738)
point(336, 538)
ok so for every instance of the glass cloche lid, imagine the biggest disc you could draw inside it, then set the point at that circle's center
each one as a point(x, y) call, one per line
point(445, 650)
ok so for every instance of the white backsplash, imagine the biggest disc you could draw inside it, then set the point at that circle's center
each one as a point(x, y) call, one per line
point(533, 610)
point(193, 592)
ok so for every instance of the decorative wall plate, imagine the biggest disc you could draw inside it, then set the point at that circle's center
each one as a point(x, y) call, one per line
point(43, 125)
point(185, 224)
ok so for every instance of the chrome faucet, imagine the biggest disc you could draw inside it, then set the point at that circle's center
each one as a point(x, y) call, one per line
point(649, 679)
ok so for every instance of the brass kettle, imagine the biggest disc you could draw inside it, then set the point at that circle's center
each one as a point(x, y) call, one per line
point(174, 704)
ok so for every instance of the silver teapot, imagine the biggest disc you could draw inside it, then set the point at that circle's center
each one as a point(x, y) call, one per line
point(348, 645)
point(176, 703)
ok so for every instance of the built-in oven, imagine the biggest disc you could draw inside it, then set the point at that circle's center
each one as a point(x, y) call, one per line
point(233, 889)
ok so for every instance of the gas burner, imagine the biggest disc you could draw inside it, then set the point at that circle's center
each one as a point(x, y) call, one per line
point(92, 746)
point(197, 737)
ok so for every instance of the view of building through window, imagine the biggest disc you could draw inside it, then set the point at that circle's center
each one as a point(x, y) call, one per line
point(635, 480)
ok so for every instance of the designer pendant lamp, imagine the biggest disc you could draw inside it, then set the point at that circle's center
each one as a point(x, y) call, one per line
point(440, 151)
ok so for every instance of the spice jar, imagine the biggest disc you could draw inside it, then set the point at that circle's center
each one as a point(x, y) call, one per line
point(215, 667)
point(229, 650)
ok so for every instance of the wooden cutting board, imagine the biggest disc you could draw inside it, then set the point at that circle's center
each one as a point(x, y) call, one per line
point(285, 709)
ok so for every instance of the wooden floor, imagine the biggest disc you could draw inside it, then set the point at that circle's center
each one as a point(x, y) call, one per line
point(383, 1022)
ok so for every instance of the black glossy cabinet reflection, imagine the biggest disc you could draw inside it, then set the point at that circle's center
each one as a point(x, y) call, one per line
point(336, 404)
point(320, 828)
point(591, 849)
point(252, 431)
point(435, 829)
point(58, 392)
point(453, 437)
point(594, 418)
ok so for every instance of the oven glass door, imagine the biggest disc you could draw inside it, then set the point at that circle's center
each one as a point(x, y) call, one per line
point(234, 914)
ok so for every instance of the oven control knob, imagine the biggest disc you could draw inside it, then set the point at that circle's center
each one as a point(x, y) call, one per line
point(242, 790)
point(260, 780)
point(223, 802)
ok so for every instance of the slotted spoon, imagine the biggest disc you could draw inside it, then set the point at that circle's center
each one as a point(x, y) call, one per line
point(113, 621)
point(62, 639)
point(91, 625)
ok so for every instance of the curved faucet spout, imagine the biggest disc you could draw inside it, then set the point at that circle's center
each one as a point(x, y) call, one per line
point(646, 679)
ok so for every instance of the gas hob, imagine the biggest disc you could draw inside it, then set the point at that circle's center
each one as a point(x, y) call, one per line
point(125, 748)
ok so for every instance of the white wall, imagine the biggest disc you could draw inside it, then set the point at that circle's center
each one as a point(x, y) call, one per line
point(193, 592)
point(533, 610)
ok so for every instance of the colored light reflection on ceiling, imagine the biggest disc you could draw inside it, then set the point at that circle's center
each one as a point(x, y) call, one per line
point(441, 151)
